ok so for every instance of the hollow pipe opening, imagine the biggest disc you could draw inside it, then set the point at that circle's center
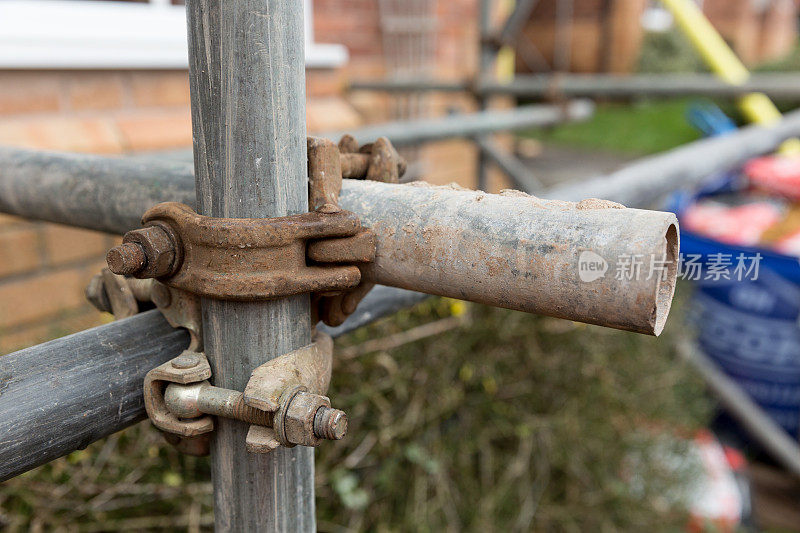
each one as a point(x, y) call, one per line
point(665, 289)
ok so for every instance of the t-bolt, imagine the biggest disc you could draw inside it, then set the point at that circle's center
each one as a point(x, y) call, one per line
point(191, 401)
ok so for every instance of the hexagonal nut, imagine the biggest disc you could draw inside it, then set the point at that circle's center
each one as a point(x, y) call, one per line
point(160, 248)
point(298, 420)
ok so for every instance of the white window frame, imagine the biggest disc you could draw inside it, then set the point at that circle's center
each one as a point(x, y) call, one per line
point(80, 34)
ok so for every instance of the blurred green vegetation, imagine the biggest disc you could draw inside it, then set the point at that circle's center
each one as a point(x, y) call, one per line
point(496, 421)
point(639, 128)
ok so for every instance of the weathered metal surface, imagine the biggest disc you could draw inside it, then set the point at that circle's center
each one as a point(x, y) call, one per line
point(383, 164)
point(149, 252)
point(294, 421)
point(436, 250)
point(247, 259)
point(63, 395)
point(520, 252)
point(156, 382)
point(309, 367)
point(359, 248)
point(377, 161)
point(122, 295)
point(198, 399)
point(252, 259)
point(181, 309)
point(114, 294)
point(284, 394)
point(324, 172)
point(247, 84)
point(394, 210)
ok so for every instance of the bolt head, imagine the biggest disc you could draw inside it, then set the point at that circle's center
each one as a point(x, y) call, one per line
point(186, 360)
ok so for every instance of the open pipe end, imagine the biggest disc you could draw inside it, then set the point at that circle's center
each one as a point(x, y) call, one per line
point(665, 289)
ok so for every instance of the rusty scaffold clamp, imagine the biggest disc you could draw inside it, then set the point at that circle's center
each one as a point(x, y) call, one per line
point(180, 256)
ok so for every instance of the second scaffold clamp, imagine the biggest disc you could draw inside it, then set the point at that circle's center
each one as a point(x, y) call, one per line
point(179, 256)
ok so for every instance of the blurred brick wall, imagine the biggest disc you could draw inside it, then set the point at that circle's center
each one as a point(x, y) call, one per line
point(44, 267)
point(757, 31)
point(603, 35)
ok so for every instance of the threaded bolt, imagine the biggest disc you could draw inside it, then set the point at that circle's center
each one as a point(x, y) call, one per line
point(330, 424)
point(126, 259)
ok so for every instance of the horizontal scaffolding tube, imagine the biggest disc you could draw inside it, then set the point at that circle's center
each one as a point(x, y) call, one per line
point(63, 395)
point(110, 194)
point(646, 180)
point(517, 172)
point(778, 86)
point(470, 124)
point(446, 242)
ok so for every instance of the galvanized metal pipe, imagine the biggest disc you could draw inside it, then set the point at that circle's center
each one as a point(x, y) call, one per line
point(247, 84)
point(646, 180)
point(470, 124)
point(780, 86)
point(63, 395)
point(518, 173)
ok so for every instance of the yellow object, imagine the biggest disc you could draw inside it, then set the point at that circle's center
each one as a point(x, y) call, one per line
point(756, 107)
point(504, 67)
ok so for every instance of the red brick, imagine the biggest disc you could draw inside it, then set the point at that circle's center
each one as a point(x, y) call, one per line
point(28, 300)
point(325, 114)
point(84, 318)
point(94, 134)
point(324, 83)
point(19, 250)
point(29, 92)
point(156, 130)
point(160, 89)
point(95, 91)
point(64, 244)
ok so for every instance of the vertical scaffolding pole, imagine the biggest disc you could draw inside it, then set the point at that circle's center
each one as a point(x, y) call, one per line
point(248, 121)
point(484, 69)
